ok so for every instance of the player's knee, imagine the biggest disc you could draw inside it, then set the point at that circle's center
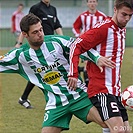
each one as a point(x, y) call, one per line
point(95, 117)
point(103, 125)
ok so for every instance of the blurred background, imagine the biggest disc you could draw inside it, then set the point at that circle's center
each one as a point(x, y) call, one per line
point(67, 11)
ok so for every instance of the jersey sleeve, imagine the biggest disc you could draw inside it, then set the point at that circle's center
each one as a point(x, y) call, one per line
point(66, 42)
point(57, 22)
point(91, 55)
point(9, 62)
point(77, 25)
point(86, 41)
point(13, 22)
point(33, 9)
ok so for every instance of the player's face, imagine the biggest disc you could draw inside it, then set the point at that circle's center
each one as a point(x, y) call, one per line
point(20, 8)
point(122, 16)
point(35, 35)
point(46, 1)
point(92, 4)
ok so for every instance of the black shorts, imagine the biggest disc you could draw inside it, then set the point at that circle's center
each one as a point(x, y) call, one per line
point(109, 106)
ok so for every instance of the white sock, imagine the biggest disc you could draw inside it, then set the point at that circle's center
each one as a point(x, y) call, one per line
point(106, 130)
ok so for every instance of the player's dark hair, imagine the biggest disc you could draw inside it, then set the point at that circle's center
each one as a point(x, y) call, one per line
point(120, 3)
point(27, 21)
point(20, 4)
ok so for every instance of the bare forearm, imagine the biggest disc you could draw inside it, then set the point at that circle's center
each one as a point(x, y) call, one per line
point(20, 40)
point(59, 31)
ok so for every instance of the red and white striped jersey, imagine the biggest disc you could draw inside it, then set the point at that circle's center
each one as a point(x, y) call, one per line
point(85, 21)
point(109, 40)
point(16, 18)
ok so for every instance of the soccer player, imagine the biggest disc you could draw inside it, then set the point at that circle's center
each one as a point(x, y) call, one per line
point(84, 22)
point(46, 64)
point(15, 20)
point(50, 22)
point(104, 89)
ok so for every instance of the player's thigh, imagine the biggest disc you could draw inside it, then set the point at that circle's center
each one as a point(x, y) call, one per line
point(51, 130)
point(59, 117)
point(122, 109)
point(85, 111)
point(94, 116)
point(107, 106)
point(109, 111)
point(81, 108)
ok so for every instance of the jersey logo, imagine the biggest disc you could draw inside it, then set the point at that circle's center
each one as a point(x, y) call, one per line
point(46, 68)
point(51, 77)
point(31, 63)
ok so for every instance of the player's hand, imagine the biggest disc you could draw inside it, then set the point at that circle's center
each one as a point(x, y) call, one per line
point(106, 62)
point(72, 83)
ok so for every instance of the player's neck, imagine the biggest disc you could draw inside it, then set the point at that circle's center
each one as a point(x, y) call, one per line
point(47, 3)
point(92, 11)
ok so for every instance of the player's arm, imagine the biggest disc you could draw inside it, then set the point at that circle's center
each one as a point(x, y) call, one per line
point(59, 31)
point(87, 41)
point(57, 24)
point(91, 55)
point(12, 23)
point(77, 25)
point(20, 41)
point(9, 62)
point(100, 61)
point(33, 10)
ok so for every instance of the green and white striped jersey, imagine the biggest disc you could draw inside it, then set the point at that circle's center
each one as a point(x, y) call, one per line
point(47, 68)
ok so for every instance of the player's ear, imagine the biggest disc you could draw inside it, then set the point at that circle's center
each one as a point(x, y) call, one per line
point(115, 9)
point(24, 34)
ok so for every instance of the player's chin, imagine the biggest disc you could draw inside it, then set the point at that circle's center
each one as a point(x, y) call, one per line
point(124, 24)
point(41, 40)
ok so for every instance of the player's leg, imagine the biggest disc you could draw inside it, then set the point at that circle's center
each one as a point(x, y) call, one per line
point(85, 75)
point(85, 111)
point(127, 127)
point(86, 79)
point(24, 98)
point(109, 112)
point(27, 90)
point(115, 124)
point(80, 69)
point(94, 116)
point(51, 130)
point(56, 120)
point(119, 124)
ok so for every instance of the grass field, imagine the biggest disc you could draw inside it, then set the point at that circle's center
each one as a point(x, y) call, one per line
point(16, 119)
